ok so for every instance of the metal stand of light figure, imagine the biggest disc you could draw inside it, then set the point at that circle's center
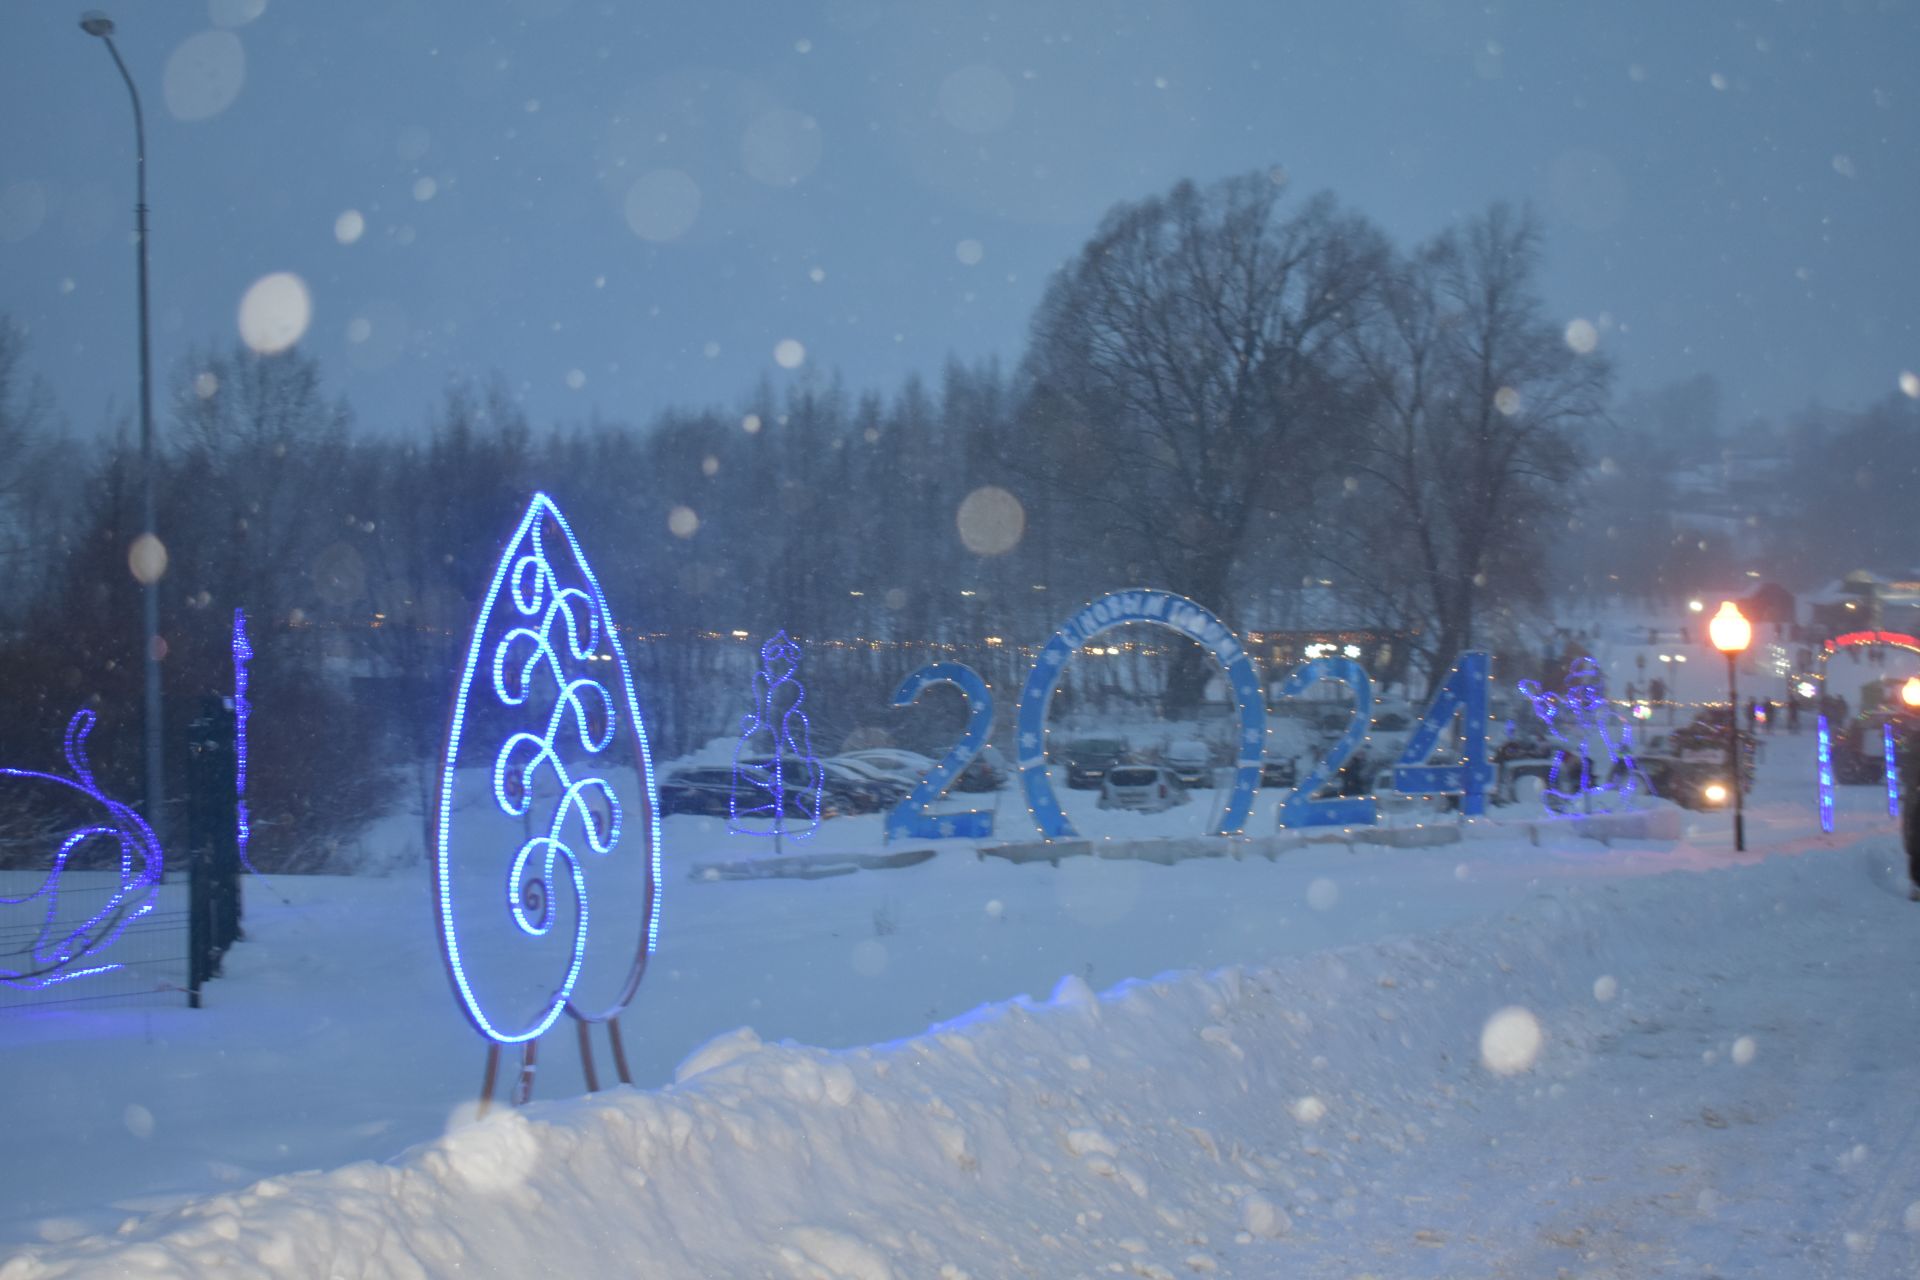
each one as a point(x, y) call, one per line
point(148, 549)
point(1731, 634)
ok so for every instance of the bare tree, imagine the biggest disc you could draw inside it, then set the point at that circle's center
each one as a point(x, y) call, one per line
point(1187, 369)
point(261, 452)
point(29, 522)
point(1474, 409)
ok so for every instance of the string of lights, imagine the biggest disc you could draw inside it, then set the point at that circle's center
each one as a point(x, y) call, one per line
point(1588, 715)
point(779, 717)
point(242, 711)
point(58, 950)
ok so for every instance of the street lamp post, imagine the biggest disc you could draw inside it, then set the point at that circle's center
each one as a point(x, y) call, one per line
point(148, 556)
point(1731, 634)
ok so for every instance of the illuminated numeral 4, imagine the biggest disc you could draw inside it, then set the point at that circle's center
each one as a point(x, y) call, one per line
point(1462, 693)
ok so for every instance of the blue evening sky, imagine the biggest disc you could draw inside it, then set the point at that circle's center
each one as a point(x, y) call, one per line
point(621, 206)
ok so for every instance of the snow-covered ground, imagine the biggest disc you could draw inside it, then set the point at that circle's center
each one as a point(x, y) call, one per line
point(1501, 1057)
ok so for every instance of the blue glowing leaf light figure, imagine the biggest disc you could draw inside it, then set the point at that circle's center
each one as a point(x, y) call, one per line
point(64, 948)
point(1586, 732)
point(783, 781)
point(546, 769)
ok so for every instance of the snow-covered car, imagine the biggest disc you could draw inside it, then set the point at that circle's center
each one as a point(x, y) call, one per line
point(868, 770)
point(910, 766)
point(863, 792)
point(1190, 760)
point(1148, 788)
point(988, 771)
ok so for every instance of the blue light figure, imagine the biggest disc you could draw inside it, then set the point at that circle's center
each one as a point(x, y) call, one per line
point(64, 948)
point(547, 785)
point(771, 788)
point(1577, 722)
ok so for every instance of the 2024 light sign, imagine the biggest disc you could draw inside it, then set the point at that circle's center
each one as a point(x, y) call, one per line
point(1462, 693)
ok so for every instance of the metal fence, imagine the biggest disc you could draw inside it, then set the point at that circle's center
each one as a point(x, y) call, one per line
point(72, 935)
point(148, 961)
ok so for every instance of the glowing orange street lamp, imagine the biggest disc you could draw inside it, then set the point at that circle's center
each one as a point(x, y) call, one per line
point(1910, 691)
point(1731, 634)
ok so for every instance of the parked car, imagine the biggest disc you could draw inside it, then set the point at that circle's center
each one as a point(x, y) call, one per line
point(988, 771)
point(696, 790)
point(797, 781)
point(871, 772)
point(862, 792)
point(1690, 782)
point(1148, 788)
point(1088, 760)
point(1279, 771)
point(1190, 761)
point(909, 766)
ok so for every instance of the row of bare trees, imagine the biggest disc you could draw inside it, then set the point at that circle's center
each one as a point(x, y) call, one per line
point(1251, 394)
point(1227, 393)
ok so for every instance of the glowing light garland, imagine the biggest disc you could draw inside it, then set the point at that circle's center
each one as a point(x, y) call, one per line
point(1163, 609)
point(777, 713)
point(1893, 774)
point(1588, 714)
point(1824, 786)
point(1824, 765)
point(56, 948)
point(910, 817)
point(242, 708)
point(549, 627)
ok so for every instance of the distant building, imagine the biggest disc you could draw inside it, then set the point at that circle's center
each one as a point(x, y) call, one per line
point(1867, 601)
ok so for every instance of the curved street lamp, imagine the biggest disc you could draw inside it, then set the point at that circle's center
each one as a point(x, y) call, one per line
point(1731, 634)
point(148, 556)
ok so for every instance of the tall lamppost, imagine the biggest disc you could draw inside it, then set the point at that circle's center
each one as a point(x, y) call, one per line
point(147, 557)
point(1732, 633)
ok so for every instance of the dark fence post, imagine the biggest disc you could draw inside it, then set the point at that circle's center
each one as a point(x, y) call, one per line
point(213, 844)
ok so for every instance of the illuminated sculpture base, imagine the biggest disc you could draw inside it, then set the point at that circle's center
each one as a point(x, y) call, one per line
point(807, 866)
point(1641, 824)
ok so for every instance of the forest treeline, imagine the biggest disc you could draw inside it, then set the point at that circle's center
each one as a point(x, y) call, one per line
point(1232, 392)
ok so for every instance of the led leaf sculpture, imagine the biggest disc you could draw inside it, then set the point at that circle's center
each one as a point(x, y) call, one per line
point(112, 842)
point(776, 777)
point(547, 802)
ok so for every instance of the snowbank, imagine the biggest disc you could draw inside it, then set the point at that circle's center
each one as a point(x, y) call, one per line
point(1337, 1106)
